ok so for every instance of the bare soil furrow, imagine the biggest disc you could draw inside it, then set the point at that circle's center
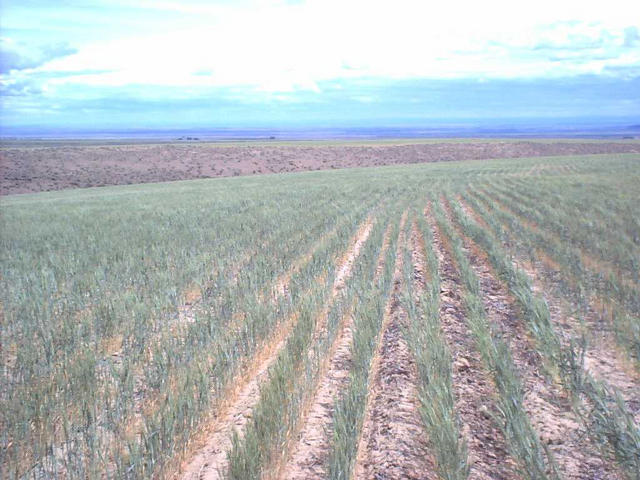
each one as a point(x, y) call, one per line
point(346, 264)
point(308, 460)
point(211, 461)
point(311, 450)
point(343, 272)
point(393, 443)
point(603, 359)
point(420, 270)
point(187, 313)
point(602, 308)
point(474, 390)
point(281, 285)
point(385, 246)
point(548, 408)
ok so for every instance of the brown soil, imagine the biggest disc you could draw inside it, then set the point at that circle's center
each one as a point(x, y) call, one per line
point(342, 274)
point(346, 265)
point(308, 460)
point(393, 443)
point(212, 460)
point(41, 168)
point(381, 261)
point(548, 408)
point(474, 390)
point(603, 358)
point(420, 270)
point(311, 450)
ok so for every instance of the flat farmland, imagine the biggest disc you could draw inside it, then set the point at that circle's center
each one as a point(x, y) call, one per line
point(449, 320)
point(34, 166)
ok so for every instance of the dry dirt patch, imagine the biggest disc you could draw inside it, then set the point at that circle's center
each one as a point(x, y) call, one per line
point(42, 168)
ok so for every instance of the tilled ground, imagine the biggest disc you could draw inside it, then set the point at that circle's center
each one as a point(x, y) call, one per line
point(393, 439)
point(212, 460)
point(474, 389)
point(27, 169)
point(393, 442)
point(603, 359)
point(548, 408)
point(309, 456)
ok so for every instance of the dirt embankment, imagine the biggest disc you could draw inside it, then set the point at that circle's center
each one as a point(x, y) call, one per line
point(56, 167)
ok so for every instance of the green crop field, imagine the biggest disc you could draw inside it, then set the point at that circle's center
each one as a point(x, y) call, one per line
point(466, 319)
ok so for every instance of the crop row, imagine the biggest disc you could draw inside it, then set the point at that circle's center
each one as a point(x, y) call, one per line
point(136, 319)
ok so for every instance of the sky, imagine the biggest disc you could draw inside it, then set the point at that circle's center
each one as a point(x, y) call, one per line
point(252, 63)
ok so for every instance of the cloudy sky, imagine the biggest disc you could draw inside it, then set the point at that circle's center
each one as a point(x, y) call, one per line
point(164, 64)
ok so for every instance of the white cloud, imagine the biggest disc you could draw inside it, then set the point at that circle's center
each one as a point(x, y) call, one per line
point(276, 47)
